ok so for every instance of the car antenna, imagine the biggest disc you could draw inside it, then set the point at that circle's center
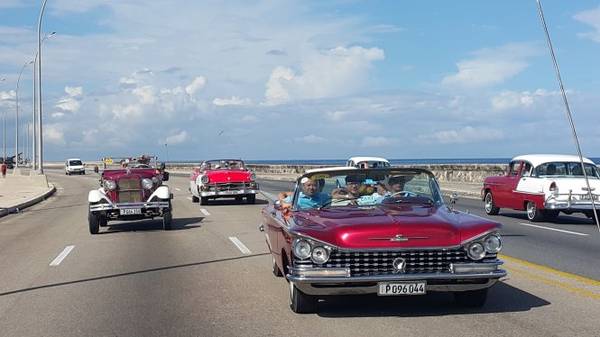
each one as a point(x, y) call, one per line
point(567, 109)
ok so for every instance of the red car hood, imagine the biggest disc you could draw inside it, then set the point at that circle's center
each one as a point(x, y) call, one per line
point(410, 226)
point(118, 174)
point(228, 176)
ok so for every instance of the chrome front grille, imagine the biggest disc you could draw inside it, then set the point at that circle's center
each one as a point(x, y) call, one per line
point(129, 190)
point(380, 262)
point(232, 186)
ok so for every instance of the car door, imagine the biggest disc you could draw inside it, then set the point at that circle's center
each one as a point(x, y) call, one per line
point(505, 196)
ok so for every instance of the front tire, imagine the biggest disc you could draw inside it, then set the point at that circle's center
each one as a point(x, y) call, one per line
point(489, 206)
point(94, 223)
point(533, 213)
point(195, 199)
point(276, 271)
point(203, 200)
point(251, 198)
point(471, 299)
point(300, 302)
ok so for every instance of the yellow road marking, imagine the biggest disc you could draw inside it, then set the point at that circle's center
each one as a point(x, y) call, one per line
point(579, 278)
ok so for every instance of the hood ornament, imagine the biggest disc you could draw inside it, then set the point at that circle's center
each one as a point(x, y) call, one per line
point(399, 238)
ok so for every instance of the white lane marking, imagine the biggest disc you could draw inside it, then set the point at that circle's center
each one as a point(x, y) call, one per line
point(269, 196)
point(177, 189)
point(553, 229)
point(61, 256)
point(205, 212)
point(240, 245)
point(189, 198)
point(60, 188)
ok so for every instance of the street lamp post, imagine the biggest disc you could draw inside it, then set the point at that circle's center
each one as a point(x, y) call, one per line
point(40, 151)
point(17, 115)
point(3, 130)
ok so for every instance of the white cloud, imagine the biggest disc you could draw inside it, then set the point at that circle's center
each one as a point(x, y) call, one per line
point(68, 104)
point(491, 66)
point(177, 138)
point(511, 99)
point(74, 91)
point(53, 134)
point(7, 97)
point(590, 17)
point(334, 72)
point(338, 115)
point(377, 141)
point(311, 139)
point(197, 84)
point(145, 94)
point(464, 135)
point(127, 112)
point(234, 100)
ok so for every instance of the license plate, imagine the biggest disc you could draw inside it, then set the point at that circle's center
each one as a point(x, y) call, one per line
point(398, 289)
point(130, 211)
point(587, 197)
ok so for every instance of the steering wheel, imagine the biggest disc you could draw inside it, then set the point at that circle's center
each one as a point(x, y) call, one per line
point(406, 194)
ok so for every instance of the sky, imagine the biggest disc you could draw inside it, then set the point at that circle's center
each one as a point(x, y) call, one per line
point(191, 80)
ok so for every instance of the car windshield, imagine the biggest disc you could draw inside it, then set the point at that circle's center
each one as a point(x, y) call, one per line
point(372, 164)
point(223, 165)
point(75, 162)
point(566, 169)
point(366, 188)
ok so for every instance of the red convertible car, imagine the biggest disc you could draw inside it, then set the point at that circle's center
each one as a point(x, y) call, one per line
point(133, 191)
point(401, 239)
point(223, 178)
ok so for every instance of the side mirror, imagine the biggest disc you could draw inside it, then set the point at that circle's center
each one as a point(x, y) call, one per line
point(165, 176)
point(277, 205)
point(162, 166)
point(453, 199)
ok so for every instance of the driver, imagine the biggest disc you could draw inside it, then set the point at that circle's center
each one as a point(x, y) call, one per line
point(351, 193)
point(309, 197)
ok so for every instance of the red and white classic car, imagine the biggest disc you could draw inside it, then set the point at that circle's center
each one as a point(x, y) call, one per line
point(543, 185)
point(131, 192)
point(396, 237)
point(223, 178)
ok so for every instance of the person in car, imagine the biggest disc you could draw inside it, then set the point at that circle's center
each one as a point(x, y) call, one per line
point(354, 193)
point(309, 197)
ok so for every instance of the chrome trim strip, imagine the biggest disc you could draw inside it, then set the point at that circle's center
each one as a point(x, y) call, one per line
point(227, 193)
point(108, 207)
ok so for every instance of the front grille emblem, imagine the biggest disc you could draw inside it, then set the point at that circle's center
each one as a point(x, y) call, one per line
point(399, 265)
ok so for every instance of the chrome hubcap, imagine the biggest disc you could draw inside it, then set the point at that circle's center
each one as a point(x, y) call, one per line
point(531, 210)
point(488, 202)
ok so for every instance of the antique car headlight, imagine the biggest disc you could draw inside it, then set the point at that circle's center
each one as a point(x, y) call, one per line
point(110, 185)
point(320, 255)
point(302, 249)
point(147, 184)
point(476, 251)
point(155, 180)
point(492, 243)
point(252, 176)
point(204, 179)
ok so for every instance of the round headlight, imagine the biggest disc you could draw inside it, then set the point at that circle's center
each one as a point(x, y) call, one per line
point(155, 179)
point(110, 185)
point(302, 249)
point(252, 176)
point(320, 255)
point(204, 179)
point(147, 184)
point(476, 251)
point(492, 243)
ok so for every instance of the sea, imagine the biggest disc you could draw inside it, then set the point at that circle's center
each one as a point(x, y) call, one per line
point(341, 162)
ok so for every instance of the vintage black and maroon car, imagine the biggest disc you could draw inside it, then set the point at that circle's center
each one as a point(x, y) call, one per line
point(339, 235)
point(134, 191)
point(223, 178)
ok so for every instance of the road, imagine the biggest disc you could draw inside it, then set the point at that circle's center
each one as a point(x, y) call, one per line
point(136, 280)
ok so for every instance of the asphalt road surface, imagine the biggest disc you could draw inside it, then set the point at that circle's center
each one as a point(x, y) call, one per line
point(210, 276)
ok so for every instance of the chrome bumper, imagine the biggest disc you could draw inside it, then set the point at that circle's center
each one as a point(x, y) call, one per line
point(131, 205)
point(570, 203)
point(230, 193)
point(352, 285)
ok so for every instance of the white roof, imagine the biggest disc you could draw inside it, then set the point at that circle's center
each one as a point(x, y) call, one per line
point(537, 159)
point(359, 159)
point(329, 169)
point(73, 159)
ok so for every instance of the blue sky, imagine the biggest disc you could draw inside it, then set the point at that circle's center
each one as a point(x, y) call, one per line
point(305, 79)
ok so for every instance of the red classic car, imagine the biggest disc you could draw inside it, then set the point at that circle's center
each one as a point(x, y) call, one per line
point(543, 185)
point(337, 236)
point(131, 192)
point(223, 178)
